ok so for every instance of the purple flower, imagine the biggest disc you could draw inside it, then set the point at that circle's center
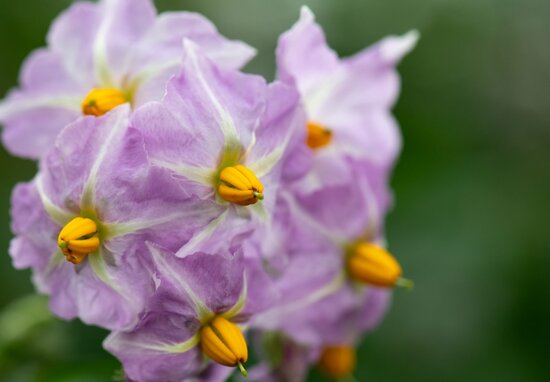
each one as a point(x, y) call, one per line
point(168, 343)
point(348, 100)
point(342, 200)
point(121, 49)
point(319, 304)
point(352, 135)
point(223, 135)
point(81, 224)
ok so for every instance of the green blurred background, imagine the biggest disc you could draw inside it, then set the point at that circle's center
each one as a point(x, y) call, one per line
point(472, 188)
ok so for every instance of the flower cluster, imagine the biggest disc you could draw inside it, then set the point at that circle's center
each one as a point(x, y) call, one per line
point(181, 203)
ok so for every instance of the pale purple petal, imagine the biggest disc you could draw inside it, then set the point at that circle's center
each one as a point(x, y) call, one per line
point(113, 43)
point(79, 292)
point(207, 108)
point(320, 323)
point(33, 115)
point(214, 373)
point(374, 308)
point(284, 120)
point(352, 97)
point(303, 54)
point(123, 24)
point(144, 363)
point(216, 280)
point(33, 228)
point(72, 37)
point(165, 38)
point(99, 166)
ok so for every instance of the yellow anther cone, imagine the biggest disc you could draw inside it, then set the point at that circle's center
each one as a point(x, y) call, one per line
point(317, 135)
point(371, 264)
point(223, 342)
point(101, 100)
point(338, 361)
point(78, 239)
point(240, 185)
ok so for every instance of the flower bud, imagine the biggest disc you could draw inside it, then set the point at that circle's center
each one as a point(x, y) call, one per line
point(317, 135)
point(102, 100)
point(338, 361)
point(223, 342)
point(371, 264)
point(78, 239)
point(239, 185)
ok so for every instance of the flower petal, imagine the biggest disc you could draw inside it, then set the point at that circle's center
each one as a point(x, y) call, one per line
point(48, 93)
point(208, 111)
point(211, 283)
point(72, 36)
point(283, 118)
point(162, 347)
point(123, 24)
point(303, 54)
point(152, 71)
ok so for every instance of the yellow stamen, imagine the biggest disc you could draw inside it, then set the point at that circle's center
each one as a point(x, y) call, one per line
point(338, 361)
point(78, 239)
point(101, 100)
point(239, 185)
point(317, 135)
point(223, 342)
point(371, 264)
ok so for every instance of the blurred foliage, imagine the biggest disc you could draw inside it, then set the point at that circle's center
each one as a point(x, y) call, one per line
point(471, 188)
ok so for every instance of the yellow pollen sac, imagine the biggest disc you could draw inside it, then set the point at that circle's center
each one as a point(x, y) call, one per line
point(337, 361)
point(371, 264)
point(317, 135)
point(239, 185)
point(223, 342)
point(101, 100)
point(78, 239)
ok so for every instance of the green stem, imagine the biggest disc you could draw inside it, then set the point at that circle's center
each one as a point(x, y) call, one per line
point(242, 369)
point(405, 283)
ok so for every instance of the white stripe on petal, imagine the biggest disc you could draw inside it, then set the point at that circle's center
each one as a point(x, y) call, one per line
point(181, 347)
point(58, 215)
point(99, 266)
point(310, 299)
point(372, 208)
point(55, 261)
point(116, 127)
point(102, 73)
point(167, 271)
point(129, 227)
point(259, 210)
point(241, 302)
point(306, 218)
point(152, 71)
point(264, 165)
point(175, 348)
point(15, 106)
point(315, 98)
point(231, 136)
point(200, 175)
point(205, 233)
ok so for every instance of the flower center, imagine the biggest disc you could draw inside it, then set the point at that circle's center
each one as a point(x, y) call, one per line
point(78, 239)
point(101, 100)
point(223, 342)
point(338, 361)
point(317, 135)
point(371, 264)
point(239, 185)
